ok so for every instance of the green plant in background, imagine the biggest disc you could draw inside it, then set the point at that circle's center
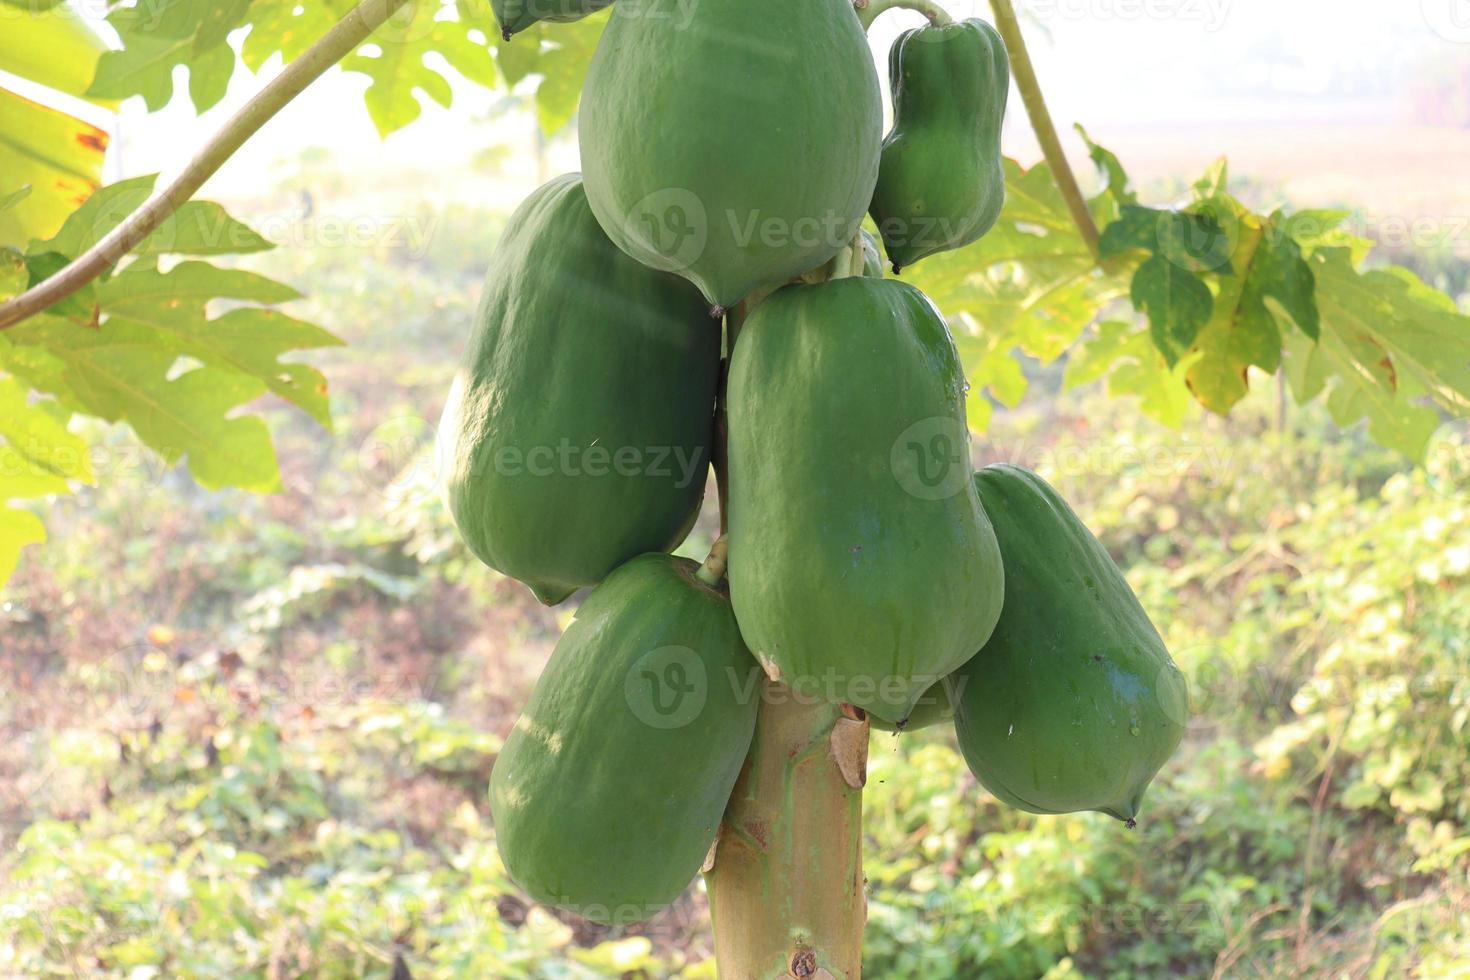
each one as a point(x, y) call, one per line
point(1217, 290)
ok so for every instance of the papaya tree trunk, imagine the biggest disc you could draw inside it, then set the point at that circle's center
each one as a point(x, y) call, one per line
point(786, 886)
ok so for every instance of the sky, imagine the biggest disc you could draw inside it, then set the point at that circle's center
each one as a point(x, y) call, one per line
point(1125, 67)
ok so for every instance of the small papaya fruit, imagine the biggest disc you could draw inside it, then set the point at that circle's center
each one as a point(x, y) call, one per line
point(941, 184)
point(862, 567)
point(578, 430)
point(722, 141)
point(515, 16)
point(1074, 704)
point(610, 789)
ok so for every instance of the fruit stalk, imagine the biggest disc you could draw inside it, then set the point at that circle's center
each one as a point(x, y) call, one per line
point(1046, 131)
point(786, 889)
point(870, 11)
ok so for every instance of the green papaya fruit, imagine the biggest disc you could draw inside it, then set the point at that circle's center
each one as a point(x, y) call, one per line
point(732, 141)
point(936, 707)
point(942, 184)
point(610, 789)
point(1074, 704)
point(578, 430)
point(862, 567)
point(515, 16)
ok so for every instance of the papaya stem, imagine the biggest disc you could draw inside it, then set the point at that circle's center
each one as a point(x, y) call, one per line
point(870, 10)
point(353, 29)
point(843, 263)
point(1024, 72)
point(713, 568)
point(786, 889)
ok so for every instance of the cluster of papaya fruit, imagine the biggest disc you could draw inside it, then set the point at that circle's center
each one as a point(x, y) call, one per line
point(709, 265)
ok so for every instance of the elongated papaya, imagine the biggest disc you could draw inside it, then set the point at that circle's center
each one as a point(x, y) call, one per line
point(1074, 704)
point(941, 184)
point(578, 429)
point(515, 16)
point(862, 567)
point(609, 790)
point(732, 141)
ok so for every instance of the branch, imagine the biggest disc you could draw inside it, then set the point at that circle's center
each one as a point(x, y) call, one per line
point(1041, 121)
point(869, 10)
point(353, 29)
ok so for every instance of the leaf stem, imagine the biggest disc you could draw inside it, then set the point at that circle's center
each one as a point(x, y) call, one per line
point(1041, 121)
point(354, 28)
point(870, 10)
point(713, 568)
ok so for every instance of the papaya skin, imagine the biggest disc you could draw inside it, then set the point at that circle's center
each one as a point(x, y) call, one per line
point(721, 141)
point(515, 16)
point(578, 430)
point(941, 185)
point(936, 707)
point(610, 788)
point(854, 579)
point(1074, 703)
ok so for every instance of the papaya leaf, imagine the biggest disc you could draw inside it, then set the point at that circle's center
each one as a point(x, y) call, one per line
point(99, 213)
point(14, 276)
point(394, 59)
point(140, 347)
point(1387, 341)
point(51, 47)
point(1111, 167)
point(1282, 276)
point(563, 69)
point(1123, 353)
point(1270, 286)
point(121, 373)
point(159, 37)
point(18, 529)
point(81, 306)
point(1031, 283)
point(287, 28)
point(195, 228)
point(8, 201)
point(1177, 302)
point(1333, 364)
point(37, 432)
point(56, 155)
point(250, 341)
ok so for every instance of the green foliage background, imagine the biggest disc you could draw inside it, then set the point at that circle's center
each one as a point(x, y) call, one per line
point(249, 736)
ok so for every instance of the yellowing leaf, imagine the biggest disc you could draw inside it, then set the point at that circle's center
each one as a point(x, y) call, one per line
point(54, 48)
point(57, 156)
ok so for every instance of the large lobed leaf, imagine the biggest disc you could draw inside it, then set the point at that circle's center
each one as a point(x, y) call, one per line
point(141, 347)
point(1029, 286)
point(1225, 290)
